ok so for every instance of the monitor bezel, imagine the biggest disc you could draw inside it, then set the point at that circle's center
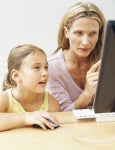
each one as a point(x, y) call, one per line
point(102, 103)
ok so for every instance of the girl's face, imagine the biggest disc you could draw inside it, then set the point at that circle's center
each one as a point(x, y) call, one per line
point(33, 73)
point(83, 36)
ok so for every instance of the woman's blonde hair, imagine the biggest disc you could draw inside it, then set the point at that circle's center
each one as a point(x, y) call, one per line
point(81, 10)
point(14, 61)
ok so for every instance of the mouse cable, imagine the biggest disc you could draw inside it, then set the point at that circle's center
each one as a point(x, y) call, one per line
point(86, 139)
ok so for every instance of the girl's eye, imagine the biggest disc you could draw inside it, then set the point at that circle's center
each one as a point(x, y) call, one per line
point(46, 67)
point(37, 67)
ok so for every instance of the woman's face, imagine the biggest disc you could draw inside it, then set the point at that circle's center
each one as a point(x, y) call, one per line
point(83, 36)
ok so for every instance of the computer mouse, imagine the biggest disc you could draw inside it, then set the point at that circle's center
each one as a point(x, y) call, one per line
point(52, 124)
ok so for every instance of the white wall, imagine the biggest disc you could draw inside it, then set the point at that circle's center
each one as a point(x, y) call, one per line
point(36, 22)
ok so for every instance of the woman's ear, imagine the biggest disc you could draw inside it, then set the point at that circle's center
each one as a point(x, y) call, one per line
point(15, 75)
point(66, 32)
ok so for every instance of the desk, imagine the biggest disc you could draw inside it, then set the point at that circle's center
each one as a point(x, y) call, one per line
point(62, 138)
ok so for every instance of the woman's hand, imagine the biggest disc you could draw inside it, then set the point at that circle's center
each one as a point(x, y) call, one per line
point(92, 79)
point(41, 118)
point(90, 87)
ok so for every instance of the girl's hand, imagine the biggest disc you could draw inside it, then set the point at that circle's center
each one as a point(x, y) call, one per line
point(41, 118)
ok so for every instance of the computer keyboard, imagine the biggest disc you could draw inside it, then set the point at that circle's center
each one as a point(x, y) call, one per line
point(89, 113)
point(84, 113)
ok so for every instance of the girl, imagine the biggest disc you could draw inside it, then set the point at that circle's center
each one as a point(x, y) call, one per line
point(24, 100)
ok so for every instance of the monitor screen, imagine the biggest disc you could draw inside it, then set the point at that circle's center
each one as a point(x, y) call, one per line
point(105, 94)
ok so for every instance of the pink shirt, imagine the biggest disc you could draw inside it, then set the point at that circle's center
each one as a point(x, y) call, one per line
point(60, 83)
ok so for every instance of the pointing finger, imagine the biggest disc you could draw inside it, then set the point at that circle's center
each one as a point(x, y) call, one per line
point(95, 67)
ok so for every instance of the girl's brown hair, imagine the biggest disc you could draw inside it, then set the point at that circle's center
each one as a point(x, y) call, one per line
point(14, 61)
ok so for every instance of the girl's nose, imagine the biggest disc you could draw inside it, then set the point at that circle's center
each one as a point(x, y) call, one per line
point(44, 72)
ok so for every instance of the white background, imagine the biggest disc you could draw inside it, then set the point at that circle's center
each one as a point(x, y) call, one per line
point(36, 22)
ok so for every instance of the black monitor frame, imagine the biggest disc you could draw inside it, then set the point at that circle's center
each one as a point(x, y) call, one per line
point(105, 93)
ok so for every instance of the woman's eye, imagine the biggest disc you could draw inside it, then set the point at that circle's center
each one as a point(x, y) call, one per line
point(78, 33)
point(93, 33)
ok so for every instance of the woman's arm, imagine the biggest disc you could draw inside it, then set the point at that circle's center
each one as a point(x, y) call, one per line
point(55, 88)
point(90, 87)
point(58, 89)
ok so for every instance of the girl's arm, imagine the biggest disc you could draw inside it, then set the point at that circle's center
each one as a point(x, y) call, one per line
point(53, 104)
point(15, 120)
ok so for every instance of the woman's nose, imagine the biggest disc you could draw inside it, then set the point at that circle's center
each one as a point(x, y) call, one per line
point(85, 40)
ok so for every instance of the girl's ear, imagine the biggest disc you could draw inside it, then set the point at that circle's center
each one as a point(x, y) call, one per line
point(66, 32)
point(15, 75)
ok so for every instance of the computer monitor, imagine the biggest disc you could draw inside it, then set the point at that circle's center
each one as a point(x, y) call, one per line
point(105, 93)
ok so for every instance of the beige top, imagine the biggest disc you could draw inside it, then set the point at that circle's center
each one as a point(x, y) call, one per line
point(14, 105)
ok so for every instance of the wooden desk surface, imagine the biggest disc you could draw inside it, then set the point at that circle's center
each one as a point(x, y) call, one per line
point(62, 138)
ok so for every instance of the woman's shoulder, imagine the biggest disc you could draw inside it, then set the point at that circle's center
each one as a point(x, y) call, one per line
point(56, 61)
point(58, 55)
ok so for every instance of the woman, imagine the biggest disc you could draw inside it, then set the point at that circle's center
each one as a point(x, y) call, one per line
point(73, 67)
